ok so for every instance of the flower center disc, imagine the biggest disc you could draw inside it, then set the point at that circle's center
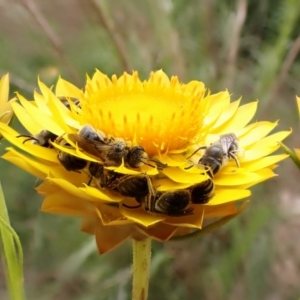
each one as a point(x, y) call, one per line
point(159, 114)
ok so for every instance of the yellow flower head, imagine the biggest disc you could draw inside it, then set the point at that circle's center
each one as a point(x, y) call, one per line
point(137, 158)
point(5, 107)
point(297, 150)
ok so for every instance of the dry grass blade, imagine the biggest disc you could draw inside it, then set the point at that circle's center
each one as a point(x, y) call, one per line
point(240, 18)
point(118, 42)
point(50, 34)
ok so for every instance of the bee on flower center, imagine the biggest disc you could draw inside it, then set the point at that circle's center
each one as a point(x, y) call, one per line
point(111, 150)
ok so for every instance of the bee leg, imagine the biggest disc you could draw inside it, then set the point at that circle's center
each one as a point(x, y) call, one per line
point(90, 180)
point(29, 138)
point(134, 206)
point(189, 167)
point(232, 155)
point(200, 148)
point(210, 172)
point(159, 165)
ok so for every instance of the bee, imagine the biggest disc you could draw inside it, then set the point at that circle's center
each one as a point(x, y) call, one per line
point(217, 154)
point(68, 161)
point(202, 192)
point(134, 186)
point(43, 138)
point(173, 204)
point(104, 177)
point(140, 187)
point(111, 150)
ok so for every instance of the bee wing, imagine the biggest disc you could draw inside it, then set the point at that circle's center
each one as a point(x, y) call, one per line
point(226, 141)
point(90, 146)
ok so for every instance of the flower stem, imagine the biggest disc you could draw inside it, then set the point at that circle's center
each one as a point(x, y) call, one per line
point(141, 268)
point(11, 254)
point(292, 155)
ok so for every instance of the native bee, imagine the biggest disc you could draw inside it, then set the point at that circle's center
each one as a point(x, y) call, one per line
point(175, 203)
point(202, 192)
point(111, 150)
point(140, 187)
point(43, 138)
point(104, 177)
point(68, 161)
point(217, 154)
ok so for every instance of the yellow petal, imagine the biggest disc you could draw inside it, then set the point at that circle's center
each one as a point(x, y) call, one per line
point(160, 232)
point(265, 146)
point(36, 150)
point(110, 215)
point(109, 237)
point(194, 220)
point(66, 89)
point(97, 196)
point(139, 216)
point(65, 204)
point(181, 176)
point(41, 102)
point(44, 119)
point(166, 184)
point(298, 104)
point(225, 115)
point(25, 164)
point(219, 106)
point(228, 195)
point(258, 131)
point(262, 163)
point(237, 178)
point(240, 119)
point(74, 190)
point(297, 151)
point(4, 90)
point(218, 211)
point(263, 174)
point(26, 119)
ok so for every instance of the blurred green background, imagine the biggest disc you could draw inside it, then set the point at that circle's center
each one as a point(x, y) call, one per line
point(249, 47)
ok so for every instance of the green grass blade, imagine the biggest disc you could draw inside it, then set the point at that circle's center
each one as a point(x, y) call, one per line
point(12, 254)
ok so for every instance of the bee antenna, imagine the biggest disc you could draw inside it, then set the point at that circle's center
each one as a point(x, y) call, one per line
point(29, 138)
point(147, 164)
point(159, 164)
point(189, 167)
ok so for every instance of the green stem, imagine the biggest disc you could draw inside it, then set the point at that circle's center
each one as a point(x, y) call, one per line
point(141, 268)
point(12, 254)
point(292, 155)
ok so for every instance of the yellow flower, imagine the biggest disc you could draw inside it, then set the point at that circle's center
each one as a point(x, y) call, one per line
point(297, 151)
point(6, 111)
point(170, 120)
